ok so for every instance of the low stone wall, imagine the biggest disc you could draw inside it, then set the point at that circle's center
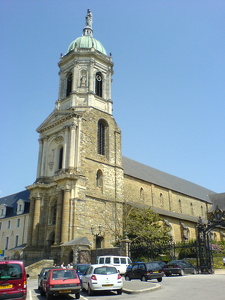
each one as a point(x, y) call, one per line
point(35, 269)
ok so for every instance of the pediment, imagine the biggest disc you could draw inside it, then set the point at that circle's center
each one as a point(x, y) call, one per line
point(55, 118)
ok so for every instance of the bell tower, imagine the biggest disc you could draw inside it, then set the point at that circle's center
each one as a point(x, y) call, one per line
point(79, 182)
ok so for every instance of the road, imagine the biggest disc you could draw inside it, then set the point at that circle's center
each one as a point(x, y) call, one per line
point(194, 287)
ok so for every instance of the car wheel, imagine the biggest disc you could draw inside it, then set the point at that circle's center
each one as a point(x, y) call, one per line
point(49, 296)
point(119, 292)
point(181, 273)
point(89, 291)
point(167, 274)
point(77, 296)
point(42, 292)
point(159, 279)
point(143, 278)
point(127, 278)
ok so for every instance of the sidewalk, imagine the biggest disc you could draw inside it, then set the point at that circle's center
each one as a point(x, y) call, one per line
point(219, 271)
point(138, 286)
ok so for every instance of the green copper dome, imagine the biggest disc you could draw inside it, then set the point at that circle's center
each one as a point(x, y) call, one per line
point(87, 41)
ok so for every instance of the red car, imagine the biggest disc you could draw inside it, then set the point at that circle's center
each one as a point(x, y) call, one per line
point(59, 282)
point(13, 280)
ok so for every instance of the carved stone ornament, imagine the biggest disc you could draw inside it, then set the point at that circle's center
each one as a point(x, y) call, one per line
point(59, 139)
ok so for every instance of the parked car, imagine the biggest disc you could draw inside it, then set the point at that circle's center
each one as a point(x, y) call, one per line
point(60, 282)
point(42, 274)
point(160, 262)
point(102, 278)
point(179, 267)
point(120, 262)
point(145, 271)
point(13, 280)
point(81, 269)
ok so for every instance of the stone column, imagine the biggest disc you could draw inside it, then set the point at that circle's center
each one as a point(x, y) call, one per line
point(36, 219)
point(43, 160)
point(65, 150)
point(72, 146)
point(65, 216)
point(58, 218)
point(39, 157)
point(30, 224)
point(91, 77)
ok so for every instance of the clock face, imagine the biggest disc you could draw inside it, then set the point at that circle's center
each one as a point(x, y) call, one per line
point(99, 77)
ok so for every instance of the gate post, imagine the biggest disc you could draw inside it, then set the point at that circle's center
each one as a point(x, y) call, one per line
point(204, 249)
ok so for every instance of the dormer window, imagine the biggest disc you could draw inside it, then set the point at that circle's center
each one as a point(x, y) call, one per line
point(20, 207)
point(2, 211)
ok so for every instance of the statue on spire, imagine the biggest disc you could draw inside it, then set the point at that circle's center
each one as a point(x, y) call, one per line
point(89, 18)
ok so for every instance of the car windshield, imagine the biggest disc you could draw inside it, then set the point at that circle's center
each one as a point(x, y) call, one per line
point(63, 274)
point(82, 269)
point(105, 270)
point(151, 266)
point(10, 271)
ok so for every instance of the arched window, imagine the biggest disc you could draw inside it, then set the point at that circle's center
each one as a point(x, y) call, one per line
point(69, 85)
point(98, 84)
point(102, 126)
point(99, 179)
point(161, 200)
point(142, 194)
point(60, 158)
point(54, 214)
point(192, 209)
point(180, 206)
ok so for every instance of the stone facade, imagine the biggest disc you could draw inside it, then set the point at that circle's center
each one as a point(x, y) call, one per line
point(83, 182)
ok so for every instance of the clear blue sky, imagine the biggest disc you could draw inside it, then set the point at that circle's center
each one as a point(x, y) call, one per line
point(168, 87)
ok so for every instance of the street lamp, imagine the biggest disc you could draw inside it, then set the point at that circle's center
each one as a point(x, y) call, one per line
point(96, 234)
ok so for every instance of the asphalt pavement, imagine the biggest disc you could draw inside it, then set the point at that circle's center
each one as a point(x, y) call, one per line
point(138, 286)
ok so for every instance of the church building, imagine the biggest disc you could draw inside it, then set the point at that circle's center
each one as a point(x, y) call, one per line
point(83, 182)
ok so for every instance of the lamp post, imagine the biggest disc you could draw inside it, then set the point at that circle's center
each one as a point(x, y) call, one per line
point(96, 234)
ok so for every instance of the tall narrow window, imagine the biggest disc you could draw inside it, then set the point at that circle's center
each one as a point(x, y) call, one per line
point(141, 194)
point(98, 84)
point(54, 214)
point(60, 158)
point(69, 85)
point(99, 179)
point(16, 240)
point(6, 243)
point(180, 206)
point(101, 137)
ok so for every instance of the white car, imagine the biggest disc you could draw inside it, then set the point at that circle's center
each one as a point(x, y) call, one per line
point(102, 278)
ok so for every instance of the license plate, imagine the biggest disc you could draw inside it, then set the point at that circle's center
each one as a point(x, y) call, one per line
point(9, 286)
point(156, 272)
point(65, 291)
point(106, 285)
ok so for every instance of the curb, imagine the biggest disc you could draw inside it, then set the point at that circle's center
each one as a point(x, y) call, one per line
point(155, 287)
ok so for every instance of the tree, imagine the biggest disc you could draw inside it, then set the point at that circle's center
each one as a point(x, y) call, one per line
point(146, 228)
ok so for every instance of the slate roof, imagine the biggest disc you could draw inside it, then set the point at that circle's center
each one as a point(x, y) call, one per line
point(138, 170)
point(217, 200)
point(11, 199)
point(143, 172)
point(11, 202)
